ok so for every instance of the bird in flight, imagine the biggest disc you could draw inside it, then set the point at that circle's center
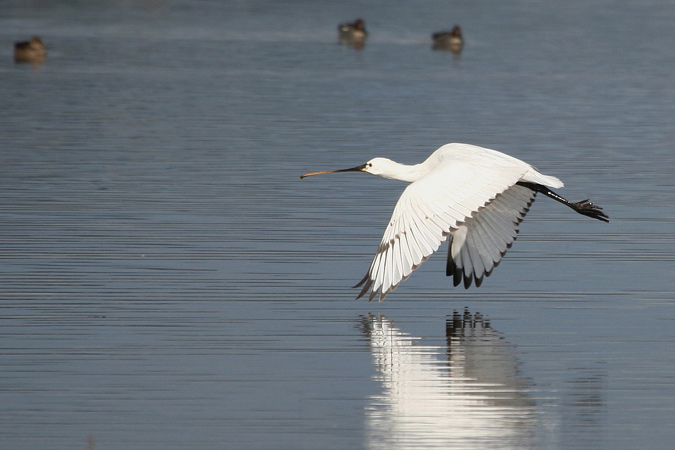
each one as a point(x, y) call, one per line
point(474, 195)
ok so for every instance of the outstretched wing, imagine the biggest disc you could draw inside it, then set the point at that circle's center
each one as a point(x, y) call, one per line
point(429, 210)
point(477, 246)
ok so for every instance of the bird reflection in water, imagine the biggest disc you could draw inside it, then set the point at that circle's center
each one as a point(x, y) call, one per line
point(584, 408)
point(471, 397)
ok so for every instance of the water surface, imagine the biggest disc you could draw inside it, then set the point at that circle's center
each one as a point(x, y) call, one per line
point(167, 281)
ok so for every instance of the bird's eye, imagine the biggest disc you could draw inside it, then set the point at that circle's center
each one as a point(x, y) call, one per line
point(370, 164)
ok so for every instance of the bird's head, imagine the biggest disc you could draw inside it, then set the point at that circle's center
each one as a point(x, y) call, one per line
point(381, 167)
point(377, 166)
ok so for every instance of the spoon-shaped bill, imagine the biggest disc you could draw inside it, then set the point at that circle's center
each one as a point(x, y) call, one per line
point(352, 169)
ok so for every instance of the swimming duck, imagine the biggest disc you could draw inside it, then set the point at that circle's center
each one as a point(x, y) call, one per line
point(449, 40)
point(353, 33)
point(33, 51)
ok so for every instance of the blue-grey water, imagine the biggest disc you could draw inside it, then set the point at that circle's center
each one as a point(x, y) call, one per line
point(168, 282)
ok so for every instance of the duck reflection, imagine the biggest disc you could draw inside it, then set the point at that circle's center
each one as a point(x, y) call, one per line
point(473, 397)
point(584, 408)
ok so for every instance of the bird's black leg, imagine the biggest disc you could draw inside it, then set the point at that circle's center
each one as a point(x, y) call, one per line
point(583, 207)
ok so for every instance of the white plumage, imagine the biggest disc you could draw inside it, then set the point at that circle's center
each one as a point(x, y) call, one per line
point(475, 195)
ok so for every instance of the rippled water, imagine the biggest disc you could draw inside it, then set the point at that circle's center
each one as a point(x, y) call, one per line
point(167, 281)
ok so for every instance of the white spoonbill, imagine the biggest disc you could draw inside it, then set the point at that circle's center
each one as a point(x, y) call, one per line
point(475, 195)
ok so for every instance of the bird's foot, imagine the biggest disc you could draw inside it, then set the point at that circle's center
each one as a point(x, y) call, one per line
point(588, 208)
